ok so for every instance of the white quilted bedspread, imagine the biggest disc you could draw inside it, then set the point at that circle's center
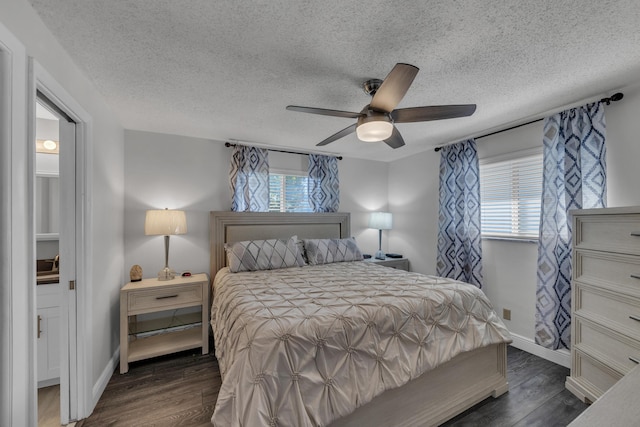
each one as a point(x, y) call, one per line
point(305, 346)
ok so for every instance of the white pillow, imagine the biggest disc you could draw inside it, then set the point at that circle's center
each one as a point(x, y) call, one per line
point(254, 255)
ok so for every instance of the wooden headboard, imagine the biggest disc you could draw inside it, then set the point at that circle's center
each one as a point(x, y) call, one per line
point(226, 226)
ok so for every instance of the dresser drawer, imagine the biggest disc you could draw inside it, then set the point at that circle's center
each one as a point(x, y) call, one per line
point(155, 299)
point(601, 267)
point(613, 233)
point(594, 377)
point(620, 312)
point(608, 346)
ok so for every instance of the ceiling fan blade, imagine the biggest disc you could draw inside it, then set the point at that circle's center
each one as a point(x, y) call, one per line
point(394, 87)
point(435, 112)
point(395, 140)
point(324, 111)
point(344, 132)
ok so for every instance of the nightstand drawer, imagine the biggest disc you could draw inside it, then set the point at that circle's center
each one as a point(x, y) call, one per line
point(155, 299)
point(398, 263)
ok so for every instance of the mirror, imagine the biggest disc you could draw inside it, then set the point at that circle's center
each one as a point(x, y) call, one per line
point(47, 207)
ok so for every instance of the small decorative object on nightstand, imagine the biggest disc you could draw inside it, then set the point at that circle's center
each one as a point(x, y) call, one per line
point(136, 273)
point(381, 221)
point(138, 341)
point(399, 263)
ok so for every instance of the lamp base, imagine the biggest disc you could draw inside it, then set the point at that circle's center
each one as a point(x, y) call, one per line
point(166, 274)
point(380, 255)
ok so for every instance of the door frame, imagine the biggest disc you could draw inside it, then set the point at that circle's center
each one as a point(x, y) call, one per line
point(76, 390)
point(17, 264)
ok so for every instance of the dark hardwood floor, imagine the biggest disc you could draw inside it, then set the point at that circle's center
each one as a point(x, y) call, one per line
point(536, 397)
point(181, 390)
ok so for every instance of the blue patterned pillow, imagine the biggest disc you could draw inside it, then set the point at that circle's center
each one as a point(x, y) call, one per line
point(253, 255)
point(325, 251)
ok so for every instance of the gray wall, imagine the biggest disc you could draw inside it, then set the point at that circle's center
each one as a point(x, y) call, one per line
point(177, 172)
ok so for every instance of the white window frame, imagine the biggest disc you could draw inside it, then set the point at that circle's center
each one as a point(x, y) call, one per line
point(286, 172)
point(516, 234)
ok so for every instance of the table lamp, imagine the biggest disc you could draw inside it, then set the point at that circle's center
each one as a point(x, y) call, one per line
point(381, 221)
point(165, 222)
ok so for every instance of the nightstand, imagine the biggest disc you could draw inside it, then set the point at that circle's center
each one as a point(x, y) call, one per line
point(399, 263)
point(145, 339)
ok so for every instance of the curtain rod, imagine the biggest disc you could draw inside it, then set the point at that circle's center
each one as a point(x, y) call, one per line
point(229, 144)
point(613, 98)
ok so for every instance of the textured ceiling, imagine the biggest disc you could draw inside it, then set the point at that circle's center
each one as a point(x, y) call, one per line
point(226, 70)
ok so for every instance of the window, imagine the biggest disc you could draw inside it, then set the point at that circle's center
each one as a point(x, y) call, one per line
point(511, 191)
point(288, 193)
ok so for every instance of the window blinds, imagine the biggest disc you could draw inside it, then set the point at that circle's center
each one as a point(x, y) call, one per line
point(288, 193)
point(511, 193)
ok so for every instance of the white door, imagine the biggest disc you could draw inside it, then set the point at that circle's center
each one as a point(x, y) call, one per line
point(68, 309)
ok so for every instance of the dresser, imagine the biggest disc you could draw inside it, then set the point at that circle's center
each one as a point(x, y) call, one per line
point(165, 332)
point(605, 327)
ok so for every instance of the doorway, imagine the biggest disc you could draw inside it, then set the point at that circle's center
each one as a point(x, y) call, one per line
point(54, 213)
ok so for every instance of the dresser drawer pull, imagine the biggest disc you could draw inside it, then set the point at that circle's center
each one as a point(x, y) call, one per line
point(635, 276)
point(168, 296)
point(633, 317)
point(635, 233)
point(634, 360)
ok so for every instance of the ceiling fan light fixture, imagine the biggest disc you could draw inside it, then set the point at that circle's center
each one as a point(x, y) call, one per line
point(372, 129)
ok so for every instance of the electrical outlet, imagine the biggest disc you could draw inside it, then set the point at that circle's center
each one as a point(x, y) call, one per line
point(506, 314)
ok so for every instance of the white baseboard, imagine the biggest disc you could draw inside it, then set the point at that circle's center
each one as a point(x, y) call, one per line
point(101, 384)
point(559, 357)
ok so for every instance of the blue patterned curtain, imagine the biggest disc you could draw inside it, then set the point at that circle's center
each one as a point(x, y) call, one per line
point(574, 177)
point(459, 245)
point(324, 185)
point(249, 178)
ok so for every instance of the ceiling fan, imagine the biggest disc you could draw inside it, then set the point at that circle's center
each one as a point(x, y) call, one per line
point(376, 120)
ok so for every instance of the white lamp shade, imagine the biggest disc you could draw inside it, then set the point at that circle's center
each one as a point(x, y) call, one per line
point(372, 131)
point(381, 220)
point(165, 222)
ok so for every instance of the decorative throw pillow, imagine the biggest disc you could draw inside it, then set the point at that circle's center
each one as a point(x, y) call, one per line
point(253, 255)
point(325, 251)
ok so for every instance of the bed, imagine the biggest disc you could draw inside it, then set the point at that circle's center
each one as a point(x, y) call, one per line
point(284, 365)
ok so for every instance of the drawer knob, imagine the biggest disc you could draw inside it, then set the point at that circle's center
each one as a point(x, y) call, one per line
point(168, 296)
point(635, 276)
point(634, 317)
point(634, 360)
point(635, 233)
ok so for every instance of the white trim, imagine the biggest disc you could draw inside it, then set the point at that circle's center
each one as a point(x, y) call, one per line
point(17, 242)
point(559, 357)
point(105, 377)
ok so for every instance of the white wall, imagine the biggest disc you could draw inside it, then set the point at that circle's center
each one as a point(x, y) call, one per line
point(413, 200)
point(104, 201)
point(623, 149)
point(509, 267)
point(177, 172)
